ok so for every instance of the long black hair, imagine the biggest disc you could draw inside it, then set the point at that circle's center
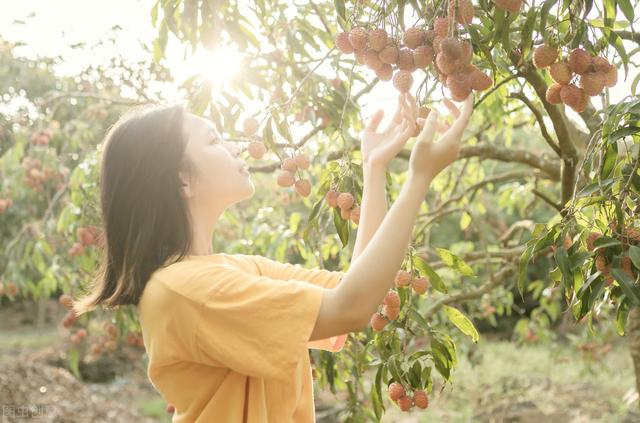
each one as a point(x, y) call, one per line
point(146, 220)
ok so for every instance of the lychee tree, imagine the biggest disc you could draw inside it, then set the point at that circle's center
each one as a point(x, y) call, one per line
point(541, 71)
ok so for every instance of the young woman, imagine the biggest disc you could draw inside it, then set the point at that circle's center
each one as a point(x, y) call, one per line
point(227, 336)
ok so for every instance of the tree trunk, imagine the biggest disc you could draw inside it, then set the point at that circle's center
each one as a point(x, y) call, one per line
point(633, 332)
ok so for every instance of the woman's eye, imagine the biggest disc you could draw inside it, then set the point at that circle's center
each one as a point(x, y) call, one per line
point(215, 140)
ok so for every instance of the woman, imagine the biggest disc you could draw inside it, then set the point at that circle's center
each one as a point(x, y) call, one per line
point(227, 335)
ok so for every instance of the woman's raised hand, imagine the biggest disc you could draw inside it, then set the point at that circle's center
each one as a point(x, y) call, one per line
point(428, 158)
point(379, 147)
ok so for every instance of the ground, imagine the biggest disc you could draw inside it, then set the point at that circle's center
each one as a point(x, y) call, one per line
point(501, 382)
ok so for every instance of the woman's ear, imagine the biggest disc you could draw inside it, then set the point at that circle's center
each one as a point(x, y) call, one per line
point(187, 191)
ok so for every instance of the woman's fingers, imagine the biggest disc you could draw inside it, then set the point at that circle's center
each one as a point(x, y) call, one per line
point(375, 121)
point(413, 107)
point(452, 107)
point(430, 125)
point(397, 117)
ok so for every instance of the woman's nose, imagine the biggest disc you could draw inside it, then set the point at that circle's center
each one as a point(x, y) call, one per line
point(235, 149)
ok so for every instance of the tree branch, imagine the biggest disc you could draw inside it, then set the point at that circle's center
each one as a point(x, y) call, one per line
point(538, 115)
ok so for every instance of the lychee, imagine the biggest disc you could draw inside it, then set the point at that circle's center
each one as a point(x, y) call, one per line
point(553, 93)
point(405, 403)
point(378, 322)
point(378, 39)
point(627, 266)
point(574, 97)
point(402, 81)
point(405, 60)
point(561, 73)
point(171, 408)
point(69, 319)
point(452, 48)
point(396, 391)
point(512, 6)
point(12, 289)
point(544, 56)
point(444, 64)
point(601, 263)
point(360, 57)
point(371, 59)
point(579, 61)
point(591, 240)
point(385, 72)
point(441, 26)
point(345, 214)
point(392, 313)
point(389, 55)
point(332, 198)
point(464, 13)
point(354, 215)
point(342, 43)
point(392, 299)
point(256, 149)
point(358, 38)
point(480, 81)
point(345, 200)
point(302, 161)
point(303, 187)
point(423, 56)
point(289, 164)
point(600, 64)
point(459, 85)
point(403, 278)
point(592, 83)
point(420, 399)
point(250, 126)
point(611, 77)
point(285, 178)
point(420, 285)
point(413, 37)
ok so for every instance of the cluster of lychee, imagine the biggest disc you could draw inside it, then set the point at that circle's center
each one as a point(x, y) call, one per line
point(349, 210)
point(86, 236)
point(391, 302)
point(36, 175)
point(42, 137)
point(629, 236)
point(287, 175)
point(256, 148)
point(5, 203)
point(399, 395)
point(418, 49)
point(11, 289)
point(512, 6)
point(595, 73)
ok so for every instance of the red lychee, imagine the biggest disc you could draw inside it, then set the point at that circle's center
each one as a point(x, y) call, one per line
point(405, 60)
point(354, 215)
point(358, 37)
point(413, 37)
point(378, 39)
point(574, 97)
point(480, 81)
point(561, 73)
point(451, 48)
point(285, 178)
point(465, 11)
point(403, 278)
point(579, 61)
point(389, 55)
point(592, 83)
point(250, 126)
point(402, 81)
point(512, 6)
point(332, 198)
point(256, 149)
point(289, 164)
point(66, 300)
point(396, 391)
point(378, 322)
point(342, 43)
point(345, 200)
point(392, 299)
point(544, 56)
point(405, 403)
point(420, 285)
point(444, 64)
point(420, 399)
point(302, 161)
point(591, 240)
point(385, 73)
point(392, 313)
point(371, 59)
point(611, 77)
point(441, 26)
point(303, 187)
point(423, 56)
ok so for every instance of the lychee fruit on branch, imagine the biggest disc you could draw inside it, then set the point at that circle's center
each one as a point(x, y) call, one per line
point(553, 93)
point(385, 72)
point(480, 81)
point(561, 73)
point(591, 240)
point(256, 149)
point(389, 54)
point(354, 215)
point(303, 187)
point(378, 39)
point(285, 178)
point(544, 56)
point(332, 198)
point(579, 60)
point(358, 37)
point(574, 97)
point(11, 289)
point(423, 56)
point(342, 43)
point(371, 59)
point(66, 301)
point(345, 214)
point(441, 26)
point(405, 60)
point(459, 85)
point(392, 313)
point(378, 322)
point(250, 126)
point(345, 200)
point(396, 391)
point(420, 399)
point(413, 37)
point(512, 6)
point(402, 278)
point(451, 48)
point(392, 299)
point(592, 83)
point(302, 161)
point(465, 11)
point(420, 285)
point(289, 164)
point(405, 403)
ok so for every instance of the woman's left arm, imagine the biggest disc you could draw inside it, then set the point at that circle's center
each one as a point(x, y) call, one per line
point(378, 148)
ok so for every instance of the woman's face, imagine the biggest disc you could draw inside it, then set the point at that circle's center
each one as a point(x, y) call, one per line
point(221, 177)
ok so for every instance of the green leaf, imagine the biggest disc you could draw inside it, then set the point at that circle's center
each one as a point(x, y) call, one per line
point(634, 254)
point(342, 227)
point(415, 315)
point(623, 132)
point(376, 394)
point(627, 285)
point(627, 9)
point(455, 262)
point(444, 354)
point(73, 363)
point(544, 13)
point(621, 315)
point(462, 322)
point(609, 161)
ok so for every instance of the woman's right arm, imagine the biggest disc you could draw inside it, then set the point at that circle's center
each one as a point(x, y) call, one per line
point(349, 306)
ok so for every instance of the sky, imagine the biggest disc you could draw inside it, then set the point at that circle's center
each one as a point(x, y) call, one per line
point(55, 25)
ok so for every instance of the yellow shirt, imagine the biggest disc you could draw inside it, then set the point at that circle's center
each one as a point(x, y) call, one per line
point(227, 337)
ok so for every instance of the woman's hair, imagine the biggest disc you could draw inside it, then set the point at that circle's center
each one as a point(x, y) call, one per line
point(146, 221)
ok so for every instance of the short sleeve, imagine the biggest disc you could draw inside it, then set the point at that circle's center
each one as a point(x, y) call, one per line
point(254, 325)
point(320, 277)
